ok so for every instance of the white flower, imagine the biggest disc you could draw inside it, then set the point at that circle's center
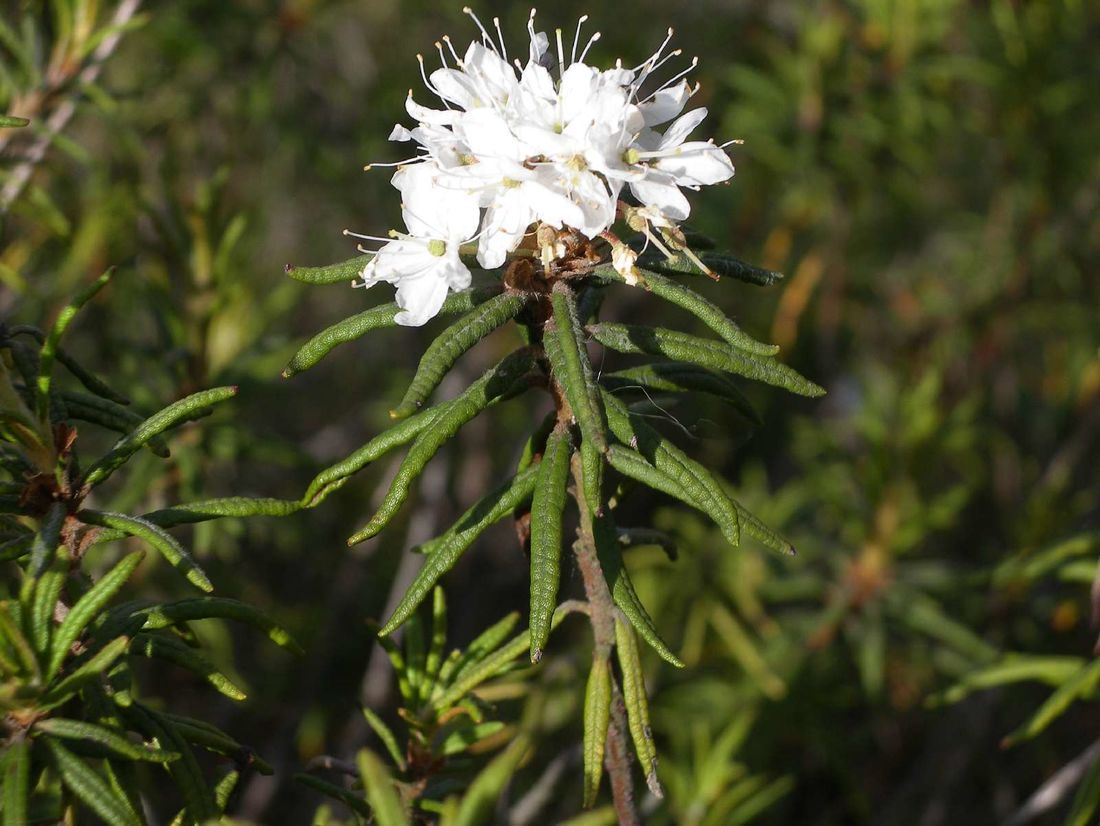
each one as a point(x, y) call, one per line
point(424, 264)
point(671, 163)
point(519, 150)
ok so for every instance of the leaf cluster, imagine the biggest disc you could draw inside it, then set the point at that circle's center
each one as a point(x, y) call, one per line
point(76, 729)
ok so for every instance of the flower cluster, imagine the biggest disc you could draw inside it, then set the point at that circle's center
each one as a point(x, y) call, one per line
point(513, 149)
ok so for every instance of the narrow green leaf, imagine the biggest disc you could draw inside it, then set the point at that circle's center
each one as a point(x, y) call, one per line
point(483, 645)
point(47, 539)
point(745, 652)
point(333, 477)
point(173, 650)
point(17, 769)
point(49, 348)
point(386, 735)
point(434, 660)
point(494, 506)
point(108, 738)
point(89, 787)
point(163, 542)
point(680, 377)
point(1013, 668)
point(682, 476)
point(224, 789)
point(229, 507)
point(717, 355)
point(1082, 684)
point(622, 589)
point(16, 548)
point(481, 797)
point(352, 801)
point(536, 442)
point(414, 653)
point(592, 473)
point(92, 383)
point(507, 379)
point(87, 671)
point(449, 346)
point(719, 263)
point(563, 340)
point(12, 122)
point(547, 509)
point(47, 589)
point(109, 415)
point(162, 616)
point(88, 607)
point(751, 525)
point(381, 794)
point(213, 739)
point(187, 408)
point(489, 666)
point(637, 704)
point(198, 799)
point(459, 740)
point(122, 777)
point(597, 716)
point(923, 614)
point(344, 272)
point(701, 307)
point(376, 318)
point(13, 637)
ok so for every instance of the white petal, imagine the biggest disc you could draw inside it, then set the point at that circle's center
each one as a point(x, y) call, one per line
point(666, 104)
point(425, 115)
point(400, 133)
point(488, 134)
point(493, 75)
point(698, 163)
point(682, 126)
point(506, 221)
point(454, 86)
point(419, 299)
point(536, 81)
point(658, 191)
point(453, 271)
point(549, 204)
point(432, 208)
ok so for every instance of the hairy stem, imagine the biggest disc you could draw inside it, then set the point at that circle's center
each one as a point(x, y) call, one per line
point(602, 616)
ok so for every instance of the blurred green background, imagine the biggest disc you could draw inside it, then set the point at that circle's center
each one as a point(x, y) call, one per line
point(927, 175)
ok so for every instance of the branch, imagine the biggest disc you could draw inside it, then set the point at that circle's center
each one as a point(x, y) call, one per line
point(61, 116)
point(602, 616)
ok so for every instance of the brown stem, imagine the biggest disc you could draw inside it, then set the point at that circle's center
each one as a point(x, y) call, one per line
point(602, 616)
point(617, 761)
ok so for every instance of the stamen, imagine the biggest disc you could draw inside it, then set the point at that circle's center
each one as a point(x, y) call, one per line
point(737, 141)
point(503, 48)
point(454, 54)
point(576, 38)
point(591, 40)
point(413, 159)
point(442, 57)
point(351, 234)
point(427, 83)
point(667, 83)
point(484, 34)
point(653, 57)
point(561, 53)
point(533, 35)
